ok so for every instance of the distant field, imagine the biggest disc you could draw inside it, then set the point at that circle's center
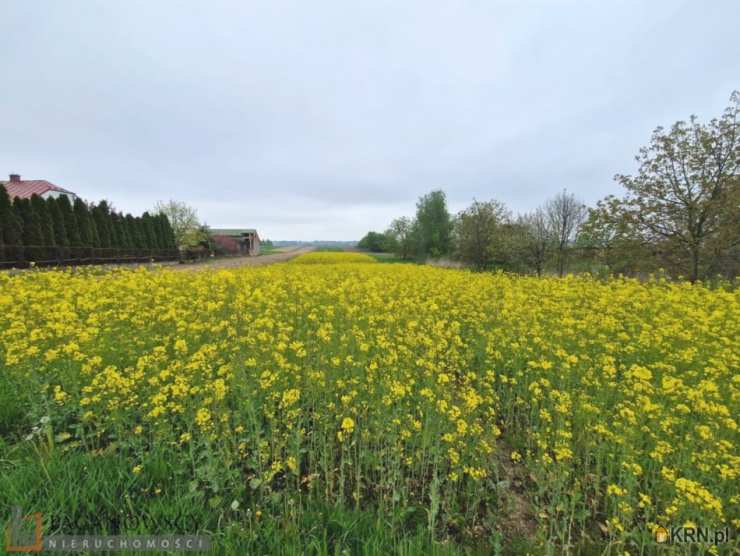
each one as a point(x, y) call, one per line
point(269, 249)
point(345, 405)
point(330, 257)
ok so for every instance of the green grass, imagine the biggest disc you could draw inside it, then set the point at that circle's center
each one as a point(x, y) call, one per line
point(46, 478)
point(268, 249)
point(83, 490)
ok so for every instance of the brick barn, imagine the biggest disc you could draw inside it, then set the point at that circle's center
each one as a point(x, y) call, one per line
point(245, 241)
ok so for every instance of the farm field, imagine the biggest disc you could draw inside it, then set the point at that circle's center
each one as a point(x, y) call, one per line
point(335, 405)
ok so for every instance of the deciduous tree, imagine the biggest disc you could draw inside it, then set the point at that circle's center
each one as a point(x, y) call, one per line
point(374, 241)
point(402, 237)
point(477, 233)
point(183, 220)
point(434, 225)
point(685, 193)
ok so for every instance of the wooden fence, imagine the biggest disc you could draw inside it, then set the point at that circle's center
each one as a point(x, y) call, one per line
point(26, 256)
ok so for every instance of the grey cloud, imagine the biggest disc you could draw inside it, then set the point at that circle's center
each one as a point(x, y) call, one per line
point(328, 119)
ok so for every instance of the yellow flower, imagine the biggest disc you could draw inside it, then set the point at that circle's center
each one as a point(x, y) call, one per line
point(615, 490)
point(60, 396)
point(348, 424)
point(203, 417)
point(181, 346)
point(292, 464)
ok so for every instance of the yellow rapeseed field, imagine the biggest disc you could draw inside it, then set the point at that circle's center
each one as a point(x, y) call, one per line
point(329, 257)
point(613, 403)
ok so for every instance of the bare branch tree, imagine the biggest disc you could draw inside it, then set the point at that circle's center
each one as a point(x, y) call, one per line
point(565, 214)
point(536, 239)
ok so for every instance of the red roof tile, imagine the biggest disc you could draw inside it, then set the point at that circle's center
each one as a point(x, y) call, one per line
point(26, 188)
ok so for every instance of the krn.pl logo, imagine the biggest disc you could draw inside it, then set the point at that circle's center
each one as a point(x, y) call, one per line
point(661, 535)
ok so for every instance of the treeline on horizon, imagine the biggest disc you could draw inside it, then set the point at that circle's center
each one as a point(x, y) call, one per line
point(680, 214)
point(37, 229)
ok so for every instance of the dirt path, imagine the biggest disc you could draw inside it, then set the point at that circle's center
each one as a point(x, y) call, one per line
point(236, 262)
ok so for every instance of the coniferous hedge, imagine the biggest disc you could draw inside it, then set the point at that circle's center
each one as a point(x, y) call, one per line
point(56, 230)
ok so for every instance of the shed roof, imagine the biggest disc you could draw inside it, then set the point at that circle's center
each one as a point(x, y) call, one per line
point(232, 231)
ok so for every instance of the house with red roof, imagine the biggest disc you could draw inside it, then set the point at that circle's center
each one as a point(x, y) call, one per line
point(24, 189)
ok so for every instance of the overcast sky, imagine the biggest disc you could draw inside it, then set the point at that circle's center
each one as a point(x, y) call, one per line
point(322, 120)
